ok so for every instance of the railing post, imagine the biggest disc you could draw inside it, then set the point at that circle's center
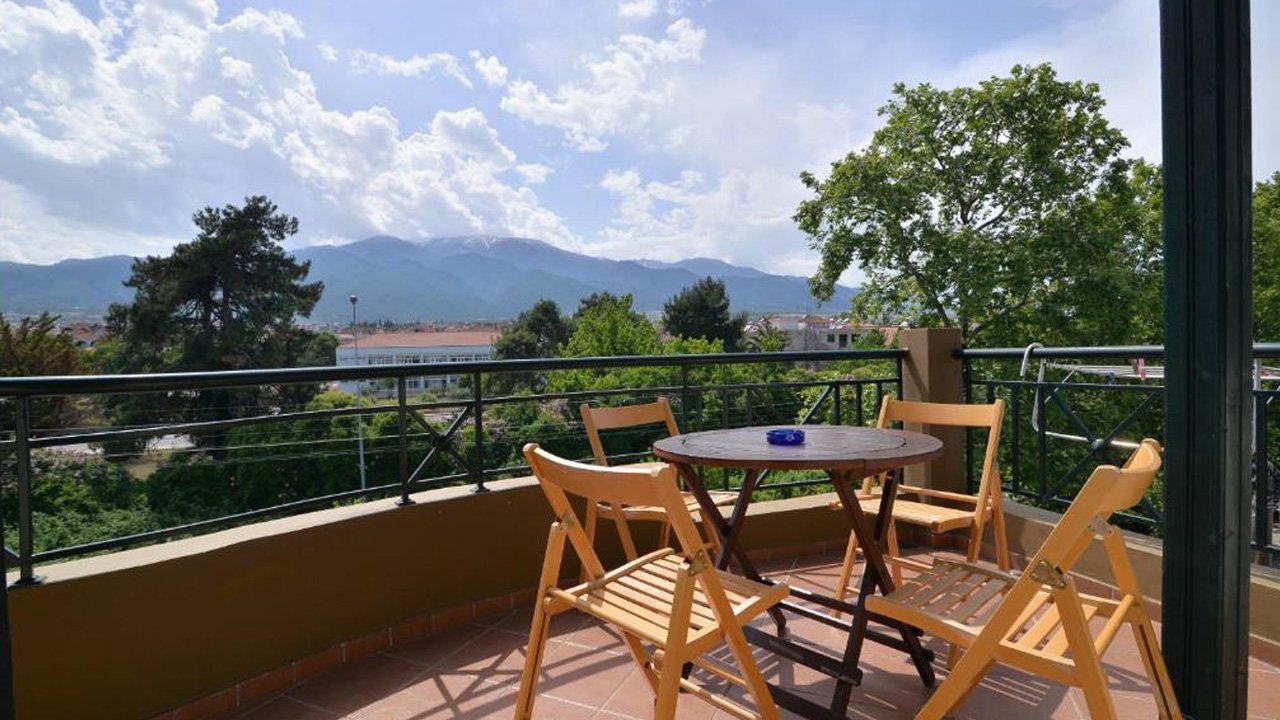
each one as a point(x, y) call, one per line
point(477, 409)
point(835, 399)
point(22, 456)
point(684, 399)
point(932, 372)
point(1261, 479)
point(966, 372)
point(1042, 445)
point(402, 421)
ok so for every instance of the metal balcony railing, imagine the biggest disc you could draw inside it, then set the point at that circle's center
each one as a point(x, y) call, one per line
point(427, 434)
point(1069, 408)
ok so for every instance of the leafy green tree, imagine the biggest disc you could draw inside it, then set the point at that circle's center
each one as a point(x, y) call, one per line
point(1266, 259)
point(609, 326)
point(537, 333)
point(228, 300)
point(702, 311)
point(1003, 209)
point(603, 299)
point(36, 346)
point(767, 338)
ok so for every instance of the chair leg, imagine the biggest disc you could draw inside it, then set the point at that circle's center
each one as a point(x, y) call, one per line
point(541, 622)
point(713, 534)
point(846, 570)
point(1002, 539)
point(624, 535)
point(895, 552)
point(1090, 676)
point(975, 541)
point(954, 652)
point(589, 524)
point(1153, 661)
point(533, 662)
point(959, 685)
point(664, 705)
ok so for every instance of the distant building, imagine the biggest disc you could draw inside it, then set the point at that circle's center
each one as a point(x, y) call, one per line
point(418, 347)
point(807, 331)
point(84, 334)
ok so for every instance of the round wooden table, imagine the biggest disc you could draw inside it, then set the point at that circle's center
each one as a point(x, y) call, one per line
point(847, 455)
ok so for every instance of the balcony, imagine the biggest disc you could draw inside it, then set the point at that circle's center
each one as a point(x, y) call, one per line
point(473, 671)
point(357, 603)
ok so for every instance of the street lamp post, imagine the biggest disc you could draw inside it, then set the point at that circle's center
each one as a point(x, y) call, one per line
point(355, 342)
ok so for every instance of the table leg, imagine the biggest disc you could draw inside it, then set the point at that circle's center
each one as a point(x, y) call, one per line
point(730, 529)
point(875, 576)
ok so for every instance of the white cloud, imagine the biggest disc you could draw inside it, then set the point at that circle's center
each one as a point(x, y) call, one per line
point(364, 62)
point(236, 69)
point(742, 216)
point(114, 133)
point(534, 173)
point(620, 92)
point(328, 52)
point(274, 23)
point(493, 71)
point(637, 8)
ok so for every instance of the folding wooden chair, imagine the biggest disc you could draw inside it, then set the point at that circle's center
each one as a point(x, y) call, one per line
point(1038, 621)
point(676, 602)
point(941, 514)
point(628, 416)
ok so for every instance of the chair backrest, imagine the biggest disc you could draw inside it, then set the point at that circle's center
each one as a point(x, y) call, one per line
point(1107, 491)
point(560, 478)
point(989, 417)
point(611, 418)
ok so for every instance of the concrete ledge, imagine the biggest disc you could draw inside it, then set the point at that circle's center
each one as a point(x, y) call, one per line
point(194, 622)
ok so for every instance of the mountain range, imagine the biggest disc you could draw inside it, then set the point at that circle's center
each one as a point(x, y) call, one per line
point(439, 279)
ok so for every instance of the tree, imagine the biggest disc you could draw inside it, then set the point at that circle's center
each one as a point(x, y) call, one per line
point(36, 346)
point(1266, 259)
point(1004, 209)
point(537, 333)
point(227, 300)
point(702, 311)
point(609, 326)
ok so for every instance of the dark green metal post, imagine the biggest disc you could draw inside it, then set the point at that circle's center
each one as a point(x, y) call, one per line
point(22, 456)
point(478, 416)
point(402, 425)
point(1208, 309)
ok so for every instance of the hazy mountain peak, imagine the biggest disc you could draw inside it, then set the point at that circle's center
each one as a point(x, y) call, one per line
point(464, 277)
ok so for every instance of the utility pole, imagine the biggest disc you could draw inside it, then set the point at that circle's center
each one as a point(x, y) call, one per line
point(355, 342)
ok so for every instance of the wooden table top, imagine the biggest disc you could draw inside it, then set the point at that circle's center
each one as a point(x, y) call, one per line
point(826, 447)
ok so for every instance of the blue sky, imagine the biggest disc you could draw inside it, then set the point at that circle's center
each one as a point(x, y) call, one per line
point(625, 128)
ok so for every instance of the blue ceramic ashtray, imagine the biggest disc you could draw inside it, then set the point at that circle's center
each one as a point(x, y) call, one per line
point(785, 436)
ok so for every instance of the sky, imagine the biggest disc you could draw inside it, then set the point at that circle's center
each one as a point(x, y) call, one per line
point(658, 129)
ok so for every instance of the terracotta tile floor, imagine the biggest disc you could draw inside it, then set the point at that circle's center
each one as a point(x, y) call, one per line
point(473, 672)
